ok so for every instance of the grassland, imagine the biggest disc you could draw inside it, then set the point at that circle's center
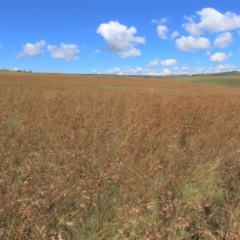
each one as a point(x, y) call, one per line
point(118, 158)
point(231, 79)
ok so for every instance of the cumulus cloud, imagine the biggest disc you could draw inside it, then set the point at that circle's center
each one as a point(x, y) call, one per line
point(131, 71)
point(223, 40)
point(180, 70)
point(130, 53)
point(175, 34)
point(153, 63)
point(199, 70)
point(222, 68)
point(154, 20)
point(225, 68)
point(212, 21)
point(165, 72)
point(218, 69)
point(168, 62)
point(219, 57)
point(160, 21)
point(184, 68)
point(65, 51)
point(137, 71)
point(190, 43)
point(162, 30)
point(120, 39)
point(96, 72)
point(32, 50)
point(114, 71)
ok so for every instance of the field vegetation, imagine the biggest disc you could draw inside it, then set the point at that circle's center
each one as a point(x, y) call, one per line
point(231, 79)
point(118, 158)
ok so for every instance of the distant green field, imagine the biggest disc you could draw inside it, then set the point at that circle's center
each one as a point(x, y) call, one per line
point(229, 79)
point(222, 82)
point(224, 79)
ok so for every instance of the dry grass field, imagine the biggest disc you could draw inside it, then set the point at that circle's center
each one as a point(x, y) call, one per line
point(100, 157)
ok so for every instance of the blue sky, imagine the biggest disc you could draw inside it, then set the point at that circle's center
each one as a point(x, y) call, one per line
point(145, 37)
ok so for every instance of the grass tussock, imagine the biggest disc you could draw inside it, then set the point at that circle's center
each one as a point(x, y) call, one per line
point(108, 164)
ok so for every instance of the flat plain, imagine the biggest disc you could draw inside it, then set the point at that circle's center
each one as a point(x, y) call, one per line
point(113, 157)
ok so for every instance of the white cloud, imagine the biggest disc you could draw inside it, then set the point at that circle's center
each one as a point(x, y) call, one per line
point(65, 51)
point(223, 40)
point(180, 70)
point(184, 68)
point(130, 53)
point(165, 72)
point(219, 57)
point(164, 20)
point(160, 21)
point(218, 69)
point(32, 50)
point(1, 47)
point(162, 31)
point(138, 71)
point(175, 34)
point(212, 21)
point(114, 71)
point(120, 39)
point(153, 63)
point(96, 72)
point(15, 69)
point(199, 70)
point(118, 71)
point(168, 62)
point(225, 68)
point(154, 21)
point(208, 53)
point(191, 43)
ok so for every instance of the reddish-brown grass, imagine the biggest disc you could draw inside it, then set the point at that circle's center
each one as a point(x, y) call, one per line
point(109, 158)
point(110, 83)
